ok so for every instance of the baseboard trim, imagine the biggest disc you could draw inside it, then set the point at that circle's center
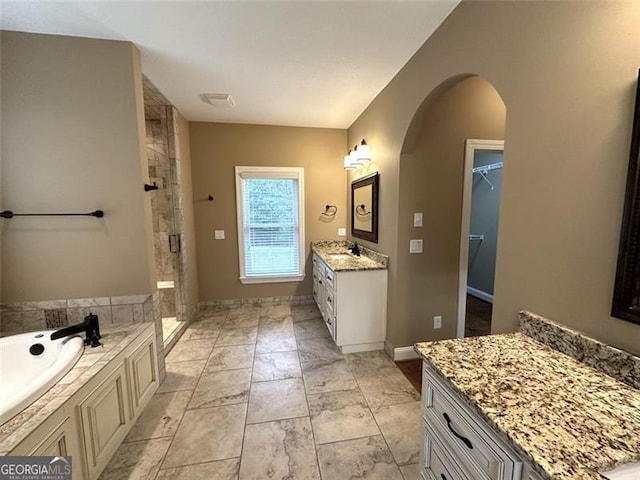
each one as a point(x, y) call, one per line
point(487, 297)
point(404, 353)
point(401, 353)
point(256, 302)
point(362, 347)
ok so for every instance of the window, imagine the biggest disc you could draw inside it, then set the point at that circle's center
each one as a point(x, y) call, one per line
point(270, 204)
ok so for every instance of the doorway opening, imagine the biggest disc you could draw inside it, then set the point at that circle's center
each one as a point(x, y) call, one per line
point(483, 164)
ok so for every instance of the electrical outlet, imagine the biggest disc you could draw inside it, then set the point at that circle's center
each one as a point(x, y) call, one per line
point(437, 321)
point(415, 246)
point(218, 234)
point(417, 219)
point(342, 232)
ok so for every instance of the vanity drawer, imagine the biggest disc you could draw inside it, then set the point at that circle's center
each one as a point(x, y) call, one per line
point(330, 277)
point(330, 321)
point(331, 302)
point(462, 430)
point(437, 463)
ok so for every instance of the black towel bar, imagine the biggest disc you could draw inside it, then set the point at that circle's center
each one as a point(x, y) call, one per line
point(10, 214)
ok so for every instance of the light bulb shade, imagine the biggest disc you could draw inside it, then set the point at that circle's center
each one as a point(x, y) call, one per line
point(348, 164)
point(354, 157)
point(363, 153)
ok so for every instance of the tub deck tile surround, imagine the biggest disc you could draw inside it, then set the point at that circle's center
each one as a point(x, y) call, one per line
point(368, 259)
point(567, 419)
point(115, 338)
point(267, 410)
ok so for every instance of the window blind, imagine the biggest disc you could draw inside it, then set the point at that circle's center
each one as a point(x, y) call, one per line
point(271, 226)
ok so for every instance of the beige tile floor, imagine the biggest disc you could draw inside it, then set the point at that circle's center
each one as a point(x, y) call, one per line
point(263, 393)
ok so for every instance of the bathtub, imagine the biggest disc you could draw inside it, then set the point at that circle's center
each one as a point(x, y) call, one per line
point(30, 364)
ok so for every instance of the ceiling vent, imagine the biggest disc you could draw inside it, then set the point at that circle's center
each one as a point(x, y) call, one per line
point(218, 99)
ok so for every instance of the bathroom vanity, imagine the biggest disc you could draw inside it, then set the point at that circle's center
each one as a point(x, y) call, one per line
point(90, 411)
point(351, 293)
point(521, 406)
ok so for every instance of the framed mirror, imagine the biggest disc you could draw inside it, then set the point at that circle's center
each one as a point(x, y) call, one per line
point(364, 208)
point(626, 294)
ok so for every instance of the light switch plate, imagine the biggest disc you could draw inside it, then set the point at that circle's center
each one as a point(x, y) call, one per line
point(437, 321)
point(342, 232)
point(417, 219)
point(219, 234)
point(415, 246)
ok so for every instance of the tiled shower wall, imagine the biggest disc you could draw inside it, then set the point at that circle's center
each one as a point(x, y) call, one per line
point(161, 199)
point(22, 317)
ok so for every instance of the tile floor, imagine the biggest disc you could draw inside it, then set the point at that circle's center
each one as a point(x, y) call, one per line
point(263, 393)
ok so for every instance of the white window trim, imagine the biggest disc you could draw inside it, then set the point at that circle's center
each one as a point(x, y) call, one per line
point(266, 172)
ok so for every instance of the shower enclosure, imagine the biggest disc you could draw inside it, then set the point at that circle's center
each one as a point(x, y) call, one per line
point(166, 205)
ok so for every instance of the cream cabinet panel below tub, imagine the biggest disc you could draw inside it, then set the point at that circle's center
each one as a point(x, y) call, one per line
point(57, 437)
point(104, 415)
point(143, 374)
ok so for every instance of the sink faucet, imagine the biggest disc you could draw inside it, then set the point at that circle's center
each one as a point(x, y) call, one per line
point(355, 249)
point(90, 326)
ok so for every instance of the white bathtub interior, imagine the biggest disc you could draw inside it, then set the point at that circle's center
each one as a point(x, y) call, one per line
point(25, 376)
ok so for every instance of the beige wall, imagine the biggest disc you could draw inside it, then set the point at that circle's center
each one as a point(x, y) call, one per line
point(431, 170)
point(71, 142)
point(191, 275)
point(215, 150)
point(566, 72)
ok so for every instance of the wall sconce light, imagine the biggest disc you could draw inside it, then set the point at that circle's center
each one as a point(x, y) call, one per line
point(360, 155)
point(348, 163)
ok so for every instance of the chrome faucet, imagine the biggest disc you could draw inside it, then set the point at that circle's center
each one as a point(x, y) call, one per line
point(90, 326)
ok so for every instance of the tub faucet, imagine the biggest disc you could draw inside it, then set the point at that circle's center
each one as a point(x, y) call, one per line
point(90, 326)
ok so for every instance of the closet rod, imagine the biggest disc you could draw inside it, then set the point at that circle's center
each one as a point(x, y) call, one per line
point(488, 168)
point(10, 214)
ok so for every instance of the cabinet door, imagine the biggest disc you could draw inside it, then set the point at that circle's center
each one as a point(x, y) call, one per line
point(142, 369)
point(55, 445)
point(104, 416)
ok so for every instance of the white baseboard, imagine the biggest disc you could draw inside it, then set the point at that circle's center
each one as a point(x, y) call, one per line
point(401, 353)
point(362, 347)
point(487, 297)
point(404, 353)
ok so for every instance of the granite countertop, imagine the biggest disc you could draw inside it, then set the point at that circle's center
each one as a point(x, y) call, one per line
point(115, 338)
point(368, 259)
point(569, 420)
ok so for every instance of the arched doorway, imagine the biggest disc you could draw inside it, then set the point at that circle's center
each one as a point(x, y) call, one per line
point(431, 183)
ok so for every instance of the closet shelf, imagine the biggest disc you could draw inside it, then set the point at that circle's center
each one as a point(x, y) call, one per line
point(484, 169)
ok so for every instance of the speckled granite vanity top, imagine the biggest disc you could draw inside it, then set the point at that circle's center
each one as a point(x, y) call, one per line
point(570, 420)
point(115, 338)
point(337, 256)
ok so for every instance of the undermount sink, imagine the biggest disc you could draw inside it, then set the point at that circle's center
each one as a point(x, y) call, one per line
point(626, 472)
point(340, 256)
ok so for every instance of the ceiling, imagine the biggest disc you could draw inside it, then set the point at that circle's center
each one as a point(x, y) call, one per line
point(302, 63)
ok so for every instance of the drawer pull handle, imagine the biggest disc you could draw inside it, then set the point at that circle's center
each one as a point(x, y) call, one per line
point(464, 440)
